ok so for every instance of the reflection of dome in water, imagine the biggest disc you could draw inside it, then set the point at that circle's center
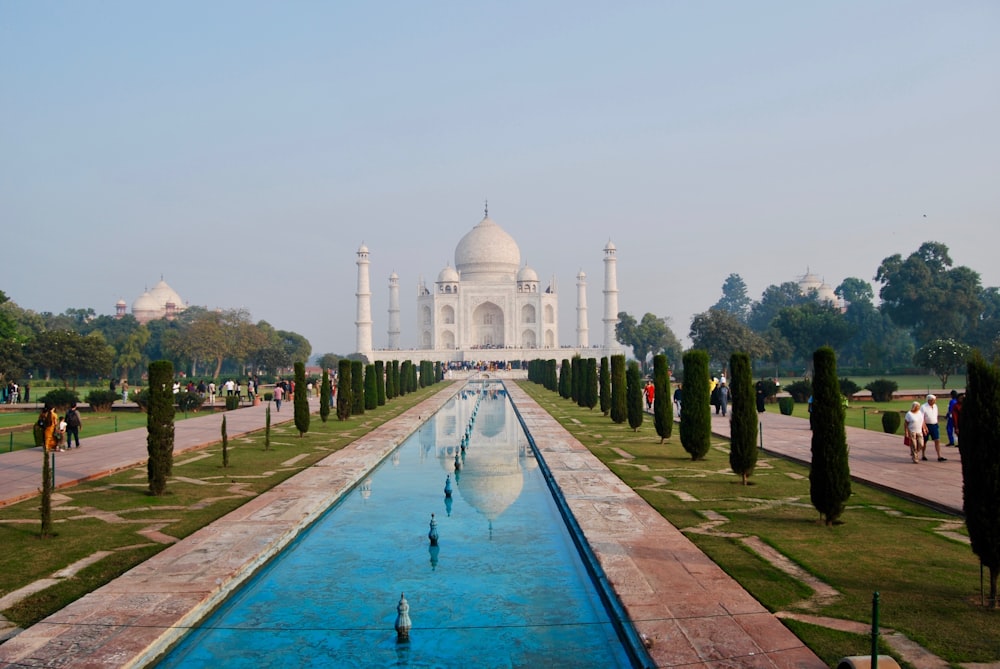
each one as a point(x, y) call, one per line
point(490, 487)
point(490, 425)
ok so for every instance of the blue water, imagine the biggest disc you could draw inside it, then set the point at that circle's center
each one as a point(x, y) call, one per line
point(505, 587)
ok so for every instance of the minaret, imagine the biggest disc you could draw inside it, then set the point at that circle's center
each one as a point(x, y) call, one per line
point(364, 295)
point(393, 312)
point(610, 297)
point(582, 335)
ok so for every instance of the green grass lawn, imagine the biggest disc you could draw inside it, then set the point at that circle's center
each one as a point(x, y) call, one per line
point(94, 424)
point(928, 579)
point(205, 492)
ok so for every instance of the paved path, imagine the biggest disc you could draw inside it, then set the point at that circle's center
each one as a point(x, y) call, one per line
point(21, 470)
point(692, 612)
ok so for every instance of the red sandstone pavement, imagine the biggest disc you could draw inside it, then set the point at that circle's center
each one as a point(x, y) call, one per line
point(694, 614)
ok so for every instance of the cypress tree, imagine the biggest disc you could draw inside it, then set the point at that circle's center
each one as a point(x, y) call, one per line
point(619, 402)
point(576, 378)
point(345, 386)
point(663, 412)
point(371, 388)
point(980, 425)
point(225, 443)
point(413, 378)
point(565, 379)
point(390, 383)
point(743, 417)
point(396, 388)
point(438, 371)
point(357, 387)
point(380, 382)
point(404, 375)
point(591, 385)
point(830, 473)
point(300, 400)
point(696, 411)
point(605, 388)
point(551, 377)
point(267, 427)
point(324, 396)
point(160, 426)
point(633, 392)
point(46, 508)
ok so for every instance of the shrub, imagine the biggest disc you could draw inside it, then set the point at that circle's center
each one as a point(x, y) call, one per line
point(785, 405)
point(268, 397)
point(232, 402)
point(61, 398)
point(189, 401)
point(848, 387)
point(891, 421)
point(769, 388)
point(800, 390)
point(882, 389)
point(101, 400)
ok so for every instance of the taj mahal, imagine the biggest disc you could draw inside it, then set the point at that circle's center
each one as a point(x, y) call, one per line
point(488, 306)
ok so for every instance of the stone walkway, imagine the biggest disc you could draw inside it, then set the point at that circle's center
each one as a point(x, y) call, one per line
point(692, 613)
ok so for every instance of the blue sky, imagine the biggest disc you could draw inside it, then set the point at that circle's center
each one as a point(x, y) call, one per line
point(245, 150)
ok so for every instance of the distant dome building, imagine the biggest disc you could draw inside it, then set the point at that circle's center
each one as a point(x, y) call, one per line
point(160, 302)
point(809, 282)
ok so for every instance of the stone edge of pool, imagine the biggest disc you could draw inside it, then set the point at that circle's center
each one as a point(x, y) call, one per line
point(693, 613)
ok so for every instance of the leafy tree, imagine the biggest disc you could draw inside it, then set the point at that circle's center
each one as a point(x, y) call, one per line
point(772, 300)
point(981, 465)
point(300, 400)
point(633, 392)
point(324, 396)
point(650, 336)
point(13, 362)
point(345, 389)
point(811, 325)
point(719, 333)
point(743, 418)
point(328, 360)
point(69, 355)
point(160, 426)
point(663, 411)
point(295, 345)
point(619, 402)
point(924, 292)
point(130, 354)
point(944, 357)
point(357, 387)
point(734, 298)
point(605, 386)
point(371, 388)
point(830, 473)
point(696, 416)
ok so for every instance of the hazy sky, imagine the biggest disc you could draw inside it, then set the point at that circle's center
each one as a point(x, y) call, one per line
point(245, 150)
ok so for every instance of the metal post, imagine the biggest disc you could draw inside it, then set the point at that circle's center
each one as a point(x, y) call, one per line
point(761, 432)
point(11, 442)
point(116, 423)
point(864, 417)
point(53, 468)
point(875, 630)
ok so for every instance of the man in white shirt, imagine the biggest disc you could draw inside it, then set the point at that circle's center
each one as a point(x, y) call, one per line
point(930, 411)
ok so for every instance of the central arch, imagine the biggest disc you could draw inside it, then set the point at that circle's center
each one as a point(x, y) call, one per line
point(487, 325)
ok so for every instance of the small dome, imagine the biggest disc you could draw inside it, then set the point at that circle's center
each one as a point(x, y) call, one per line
point(527, 274)
point(121, 303)
point(487, 250)
point(448, 275)
point(393, 276)
point(362, 248)
point(609, 246)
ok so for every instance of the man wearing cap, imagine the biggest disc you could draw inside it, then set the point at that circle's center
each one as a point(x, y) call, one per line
point(930, 411)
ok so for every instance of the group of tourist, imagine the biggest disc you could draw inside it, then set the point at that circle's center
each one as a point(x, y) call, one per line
point(59, 435)
point(923, 425)
point(11, 393)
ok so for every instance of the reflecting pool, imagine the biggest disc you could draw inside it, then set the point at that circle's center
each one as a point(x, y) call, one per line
point(504, 587)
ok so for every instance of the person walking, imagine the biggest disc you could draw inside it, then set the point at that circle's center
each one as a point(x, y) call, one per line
point(73, 425)
point(650, 392)
point(950, 421)
point(279, 393)
point(723, 397)
point(930, 411)
point(915, 431)
point(48, 421)
point(211, 392)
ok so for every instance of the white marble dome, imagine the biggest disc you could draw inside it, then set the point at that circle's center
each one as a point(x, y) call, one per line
point(527, 274)
point(487, 251)
point(448, 275)
point(164, 295)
